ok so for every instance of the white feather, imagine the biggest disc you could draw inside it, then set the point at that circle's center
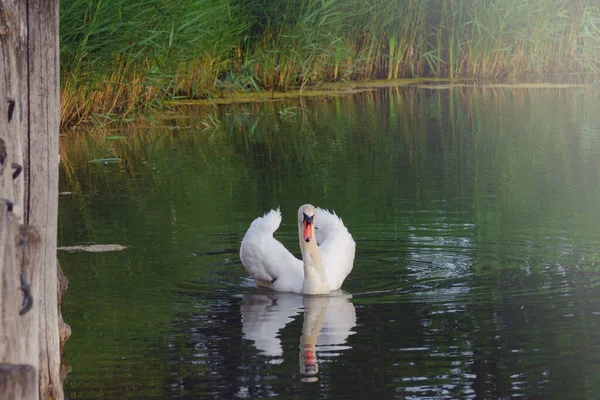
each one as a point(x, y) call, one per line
point(336, 246)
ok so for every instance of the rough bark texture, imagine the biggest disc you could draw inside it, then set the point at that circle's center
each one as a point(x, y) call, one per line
point(19, 333)
point(13, 124)
point(29, 132)
point(10, 340)
point(18, 382)
point(42, 187)
point(28, 243)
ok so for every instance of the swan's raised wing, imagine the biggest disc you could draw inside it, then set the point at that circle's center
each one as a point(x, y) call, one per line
point(336, 247)
point(266, 259)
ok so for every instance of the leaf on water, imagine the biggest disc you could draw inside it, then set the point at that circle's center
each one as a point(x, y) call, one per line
point(108, 160)
point(94, 248)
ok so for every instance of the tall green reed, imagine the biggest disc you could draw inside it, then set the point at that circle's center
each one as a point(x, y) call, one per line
point(122, 56)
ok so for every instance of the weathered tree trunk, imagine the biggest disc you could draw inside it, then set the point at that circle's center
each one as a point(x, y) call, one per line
point(29, 132)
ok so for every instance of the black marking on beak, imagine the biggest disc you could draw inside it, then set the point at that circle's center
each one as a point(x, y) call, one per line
point(308, 219)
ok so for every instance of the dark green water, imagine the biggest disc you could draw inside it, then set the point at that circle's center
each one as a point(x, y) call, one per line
point(476, 215)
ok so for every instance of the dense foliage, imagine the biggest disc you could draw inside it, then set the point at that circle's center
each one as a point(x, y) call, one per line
point(122, 55)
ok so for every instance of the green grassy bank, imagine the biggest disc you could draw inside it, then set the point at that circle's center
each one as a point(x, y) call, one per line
point(121, 56)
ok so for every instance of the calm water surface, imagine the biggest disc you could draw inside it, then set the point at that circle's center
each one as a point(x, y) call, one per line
point(476, 214)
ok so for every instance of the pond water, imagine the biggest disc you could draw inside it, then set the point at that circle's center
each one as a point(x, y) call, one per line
point(476, 216)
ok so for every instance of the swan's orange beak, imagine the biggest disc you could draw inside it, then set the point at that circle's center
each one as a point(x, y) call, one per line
point(308, 231)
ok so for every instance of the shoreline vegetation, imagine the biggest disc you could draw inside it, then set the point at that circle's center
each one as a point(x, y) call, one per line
point(120, 57)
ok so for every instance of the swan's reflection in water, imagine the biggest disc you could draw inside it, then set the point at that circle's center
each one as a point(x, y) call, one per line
point(328, 321)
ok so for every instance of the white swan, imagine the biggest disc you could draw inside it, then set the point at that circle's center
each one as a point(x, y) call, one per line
point(323, 267)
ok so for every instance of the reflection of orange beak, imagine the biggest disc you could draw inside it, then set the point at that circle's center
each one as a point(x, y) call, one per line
point(307, 232)
point(310, 354)
point(310, 358)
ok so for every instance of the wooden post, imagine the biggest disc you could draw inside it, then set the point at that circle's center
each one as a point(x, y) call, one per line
point(29, 132)
point(42, 186)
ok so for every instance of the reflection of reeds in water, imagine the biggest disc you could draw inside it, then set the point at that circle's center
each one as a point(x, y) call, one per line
point(76, 151)
point(312, 132)
point(120, 56)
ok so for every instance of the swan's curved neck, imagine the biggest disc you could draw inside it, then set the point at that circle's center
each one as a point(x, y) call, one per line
point(315, 281)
